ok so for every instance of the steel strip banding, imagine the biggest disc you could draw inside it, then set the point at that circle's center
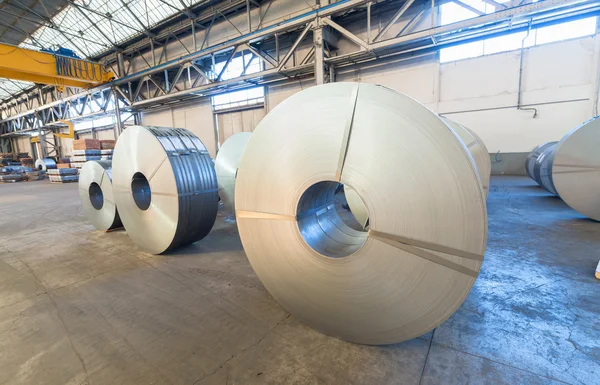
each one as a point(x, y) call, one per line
point(107, 217)
point(424, 196)
point(182, 182)
point(347, 133)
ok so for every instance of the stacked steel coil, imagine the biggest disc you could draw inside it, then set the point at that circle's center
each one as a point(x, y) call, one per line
point(97, 197)
point(427, 214)
point(570, 168)
point(165, 187)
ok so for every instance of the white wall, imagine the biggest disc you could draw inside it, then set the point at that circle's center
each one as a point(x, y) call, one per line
point(559, 80)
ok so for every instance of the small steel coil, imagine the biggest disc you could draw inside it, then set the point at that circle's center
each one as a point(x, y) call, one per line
point(165, 187)
point(96, 193)
point(45, 164)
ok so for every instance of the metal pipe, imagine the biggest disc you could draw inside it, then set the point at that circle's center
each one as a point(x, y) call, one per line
point(519, 89)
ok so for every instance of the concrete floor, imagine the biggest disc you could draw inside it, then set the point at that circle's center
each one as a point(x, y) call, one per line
point(81, 306)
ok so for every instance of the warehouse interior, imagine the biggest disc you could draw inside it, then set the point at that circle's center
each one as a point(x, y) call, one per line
point(83, 83)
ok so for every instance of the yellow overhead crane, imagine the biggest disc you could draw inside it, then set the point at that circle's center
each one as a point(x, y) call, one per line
point(60, 68)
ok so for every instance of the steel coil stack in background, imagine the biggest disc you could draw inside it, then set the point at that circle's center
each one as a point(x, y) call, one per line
point(570, 169)
point(45, 164)
point(427, 214)
point(542, 169)
point(165, 187)
point(533, 157)
point(96, 193)
point(226, 166)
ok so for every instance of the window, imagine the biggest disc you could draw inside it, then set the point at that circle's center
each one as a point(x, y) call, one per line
point(452, 13)
point(242, 98)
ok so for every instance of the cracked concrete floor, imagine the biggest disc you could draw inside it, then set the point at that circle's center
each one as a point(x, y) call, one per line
point(80, 306)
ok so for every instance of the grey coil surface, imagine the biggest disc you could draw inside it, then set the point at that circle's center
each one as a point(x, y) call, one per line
point(97, 197)
point(45, 164)
point(542, 168)
point(533, 156)
point(165, 187)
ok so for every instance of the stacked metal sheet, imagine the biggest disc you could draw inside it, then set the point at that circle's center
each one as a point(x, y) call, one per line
point(165, 187)
point(36, 175)
point(63, 175)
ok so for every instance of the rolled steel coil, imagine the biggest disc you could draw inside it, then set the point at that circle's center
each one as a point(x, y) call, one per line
point(533, 156)
point(45, 164)
point(165, 187)
point(96, 193)
point(473, 144)
point(226, 166)
point(477, 150)
point(427, 214)
point(487, 167)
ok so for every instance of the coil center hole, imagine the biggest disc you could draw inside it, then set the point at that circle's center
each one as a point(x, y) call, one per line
point(140, 188)
point(326, 223)
point(96, 196)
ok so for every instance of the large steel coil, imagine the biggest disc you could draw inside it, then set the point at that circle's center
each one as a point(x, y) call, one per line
point(45, 164)
point(427, 215)
point(96, 193)
point(165, 187)
point(226, 166)
point(533, 156)
point(472, 142)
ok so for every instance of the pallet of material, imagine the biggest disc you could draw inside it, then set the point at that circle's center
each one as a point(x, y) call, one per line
point(107, 144)
point(88, 152)
point(63, 171)
point(85, 158)
point(11, 178)
point(27, 161)
point(86, 144)
point(77, 165)
point(63, 178)
point(63, 165)
point(35, 175)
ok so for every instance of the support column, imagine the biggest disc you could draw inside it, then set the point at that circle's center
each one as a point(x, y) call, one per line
point(121, 64)
point(319, 56)
point(118, 123)
point(42, 137)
